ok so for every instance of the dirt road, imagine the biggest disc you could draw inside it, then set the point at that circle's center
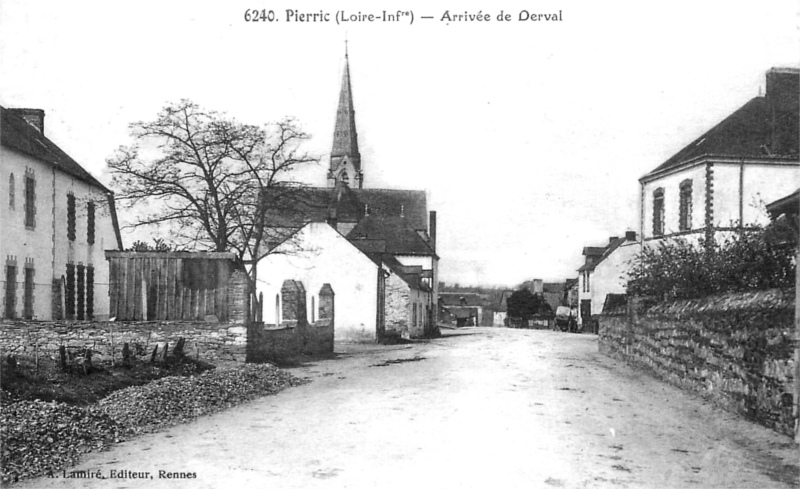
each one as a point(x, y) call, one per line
point(478, 408)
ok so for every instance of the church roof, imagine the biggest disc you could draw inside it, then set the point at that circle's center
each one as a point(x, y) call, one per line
point(18, 134)
point(297, 206)
point(400, 238)
point(345, 137)
point(411, 204)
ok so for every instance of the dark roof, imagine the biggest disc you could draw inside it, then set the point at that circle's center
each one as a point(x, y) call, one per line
point(412, 204)
point(18, 134)
point(455, 299)
point(591, 265)
point(294, 207)
point(462, 312)
point(785, 205)
point(400, 238)
point(764, 128)
point(570, 283)
point(593, 250)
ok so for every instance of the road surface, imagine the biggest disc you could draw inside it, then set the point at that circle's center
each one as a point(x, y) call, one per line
point(478, 408)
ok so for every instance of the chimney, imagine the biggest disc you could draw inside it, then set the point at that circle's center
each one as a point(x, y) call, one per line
point(432, 226)
point(783, 106)
point(630, 235)
point(612, 239)
point(34, 117)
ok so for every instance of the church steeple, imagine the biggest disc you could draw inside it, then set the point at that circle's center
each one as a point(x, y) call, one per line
point(345, 163)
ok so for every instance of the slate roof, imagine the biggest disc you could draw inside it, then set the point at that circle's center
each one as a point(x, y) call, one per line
point(454, 299)
point(390, 202)
point(295, 207)
point(613, 245)
point(750, 131)
point(785, 205)
point(18, 134)
point(400, 238)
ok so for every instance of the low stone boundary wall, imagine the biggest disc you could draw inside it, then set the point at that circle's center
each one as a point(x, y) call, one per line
point(210, 341)
point(736, 349)
point(295, 336)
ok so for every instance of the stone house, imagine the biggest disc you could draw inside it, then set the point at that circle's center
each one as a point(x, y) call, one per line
point(604, 272)
point(56, 221)
point(720, 181)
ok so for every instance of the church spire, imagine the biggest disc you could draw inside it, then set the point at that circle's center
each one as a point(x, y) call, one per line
point(345, 163)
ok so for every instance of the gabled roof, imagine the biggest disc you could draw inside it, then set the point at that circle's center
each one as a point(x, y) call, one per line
point(16, 133)
point(763, 128)
point(591, 265)
point(411, 204)
point(594, 250)
point(785, 205)
point(400, 238)
point(297, 206)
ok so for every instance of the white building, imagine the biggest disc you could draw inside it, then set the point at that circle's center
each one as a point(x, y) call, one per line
point(604, 272)
point(721, 181)
point(56, 221)
point(374, 294)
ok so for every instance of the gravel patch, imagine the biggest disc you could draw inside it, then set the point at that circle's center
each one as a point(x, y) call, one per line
point(40, 438)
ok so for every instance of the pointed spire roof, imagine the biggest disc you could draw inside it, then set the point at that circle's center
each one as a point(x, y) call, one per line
point(345, 138)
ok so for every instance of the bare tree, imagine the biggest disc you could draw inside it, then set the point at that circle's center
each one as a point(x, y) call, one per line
point(203, 174)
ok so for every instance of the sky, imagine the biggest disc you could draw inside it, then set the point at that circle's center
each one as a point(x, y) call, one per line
point(529, 136)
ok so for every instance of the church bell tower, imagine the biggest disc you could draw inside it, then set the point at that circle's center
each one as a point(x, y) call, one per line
point(345, 163)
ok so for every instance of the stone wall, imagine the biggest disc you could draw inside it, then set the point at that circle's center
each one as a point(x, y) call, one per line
point(735, 349)
point(212, 342)
point(295, 336)
point(398, 307)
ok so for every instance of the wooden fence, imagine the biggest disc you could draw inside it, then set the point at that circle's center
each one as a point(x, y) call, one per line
point(172, 286)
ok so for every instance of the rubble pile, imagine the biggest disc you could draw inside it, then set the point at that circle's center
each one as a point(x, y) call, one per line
point(40, 438)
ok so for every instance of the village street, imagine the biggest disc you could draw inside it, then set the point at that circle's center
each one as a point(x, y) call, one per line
point(481, 407)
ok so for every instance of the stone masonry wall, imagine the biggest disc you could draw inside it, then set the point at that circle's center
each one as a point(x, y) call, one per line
point(735, 349)
point(295, 336)
point(212, 342)
point(398, 307)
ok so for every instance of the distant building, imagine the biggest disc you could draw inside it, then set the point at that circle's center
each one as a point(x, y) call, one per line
point(56, 221)
point(604, 272)
point(462, 308)
point(718, 182)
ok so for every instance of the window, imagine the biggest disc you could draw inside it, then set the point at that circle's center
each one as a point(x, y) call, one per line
point(27, 311)
point(71, 217)
point(30, 200)
point(11, 192)
point(345, 178)
point(586, 276)
point(685, 210)
point(277, 309)
point(658, 212)
point(90, 223)
point(11, 289)
point(313, 310)
point(69, 292)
